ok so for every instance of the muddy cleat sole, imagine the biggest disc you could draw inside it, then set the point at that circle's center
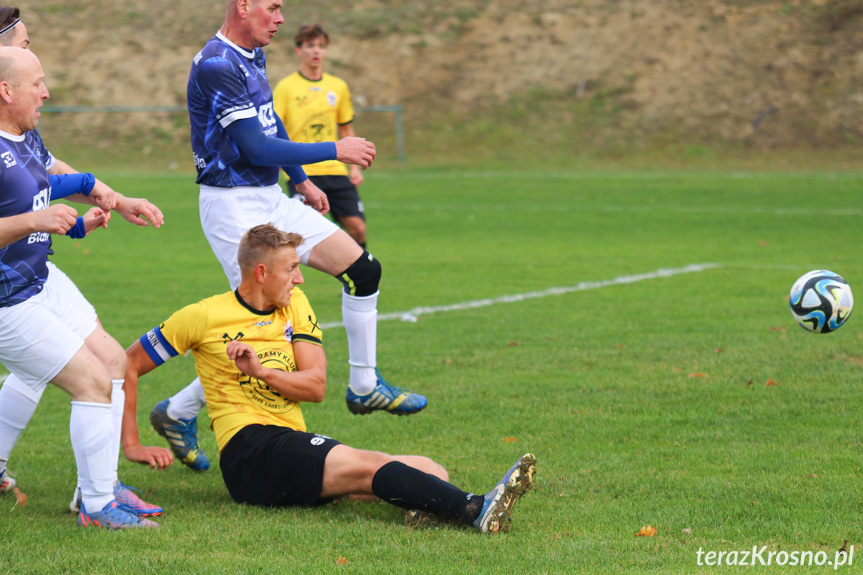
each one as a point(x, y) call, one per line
point(7, 482)
point(114, 516)
point(497, 508)
point(385, 397)
point(182, 436)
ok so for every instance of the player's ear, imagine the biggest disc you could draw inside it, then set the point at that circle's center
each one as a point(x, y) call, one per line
point(6, 91)
point(261, 272)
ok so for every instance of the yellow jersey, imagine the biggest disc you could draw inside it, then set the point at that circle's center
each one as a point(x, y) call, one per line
point(234, 399)
point(312, 111)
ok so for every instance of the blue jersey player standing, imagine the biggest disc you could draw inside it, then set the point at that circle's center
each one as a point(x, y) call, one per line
point(19, 398)
point(39, 340)
point(239, 144)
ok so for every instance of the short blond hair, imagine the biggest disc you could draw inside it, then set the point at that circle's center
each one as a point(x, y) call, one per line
point(259, 243)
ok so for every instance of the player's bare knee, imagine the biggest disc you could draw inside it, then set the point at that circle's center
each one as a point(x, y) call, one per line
point(362, 277)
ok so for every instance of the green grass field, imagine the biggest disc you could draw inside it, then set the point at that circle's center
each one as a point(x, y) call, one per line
point(645, 401)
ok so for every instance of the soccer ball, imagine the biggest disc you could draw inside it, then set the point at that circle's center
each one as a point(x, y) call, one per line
point(821, 301)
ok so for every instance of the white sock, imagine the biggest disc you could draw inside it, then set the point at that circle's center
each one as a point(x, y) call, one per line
point(360, 316)
point(17, 407)
point(118, 401)
point(188, 402)
point(91, 429)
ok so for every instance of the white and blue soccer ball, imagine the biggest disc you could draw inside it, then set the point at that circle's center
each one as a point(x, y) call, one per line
point(821, 301)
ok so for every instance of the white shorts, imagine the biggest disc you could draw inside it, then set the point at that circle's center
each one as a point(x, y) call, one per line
point(228, 213)
point(38, 337)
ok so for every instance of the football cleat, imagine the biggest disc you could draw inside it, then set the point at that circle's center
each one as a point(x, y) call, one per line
point(385, 397)
point(124, 496)
point(114, 516)
point(182, 436)
point(7, 482)
point(497, 507)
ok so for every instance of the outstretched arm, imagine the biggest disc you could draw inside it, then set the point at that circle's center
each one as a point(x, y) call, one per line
point(133, 210)
point(139, 363)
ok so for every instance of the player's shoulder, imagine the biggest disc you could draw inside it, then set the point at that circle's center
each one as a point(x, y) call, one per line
point(334, 80)
point(292, 80)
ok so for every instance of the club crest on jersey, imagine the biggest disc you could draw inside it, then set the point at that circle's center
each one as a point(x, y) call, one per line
point(261, 394)
point(8, 159)
point(289, 332)
point(331, 99)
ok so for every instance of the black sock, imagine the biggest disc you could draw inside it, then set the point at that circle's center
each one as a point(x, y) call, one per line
point(410, 488)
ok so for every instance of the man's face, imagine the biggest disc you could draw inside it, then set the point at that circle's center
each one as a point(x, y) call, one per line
point(29, 94)
point(312, 53)
point(264, 19)
point(282, 275)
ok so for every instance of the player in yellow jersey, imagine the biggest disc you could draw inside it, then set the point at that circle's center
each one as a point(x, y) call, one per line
point(258, 352)
point(316, 107)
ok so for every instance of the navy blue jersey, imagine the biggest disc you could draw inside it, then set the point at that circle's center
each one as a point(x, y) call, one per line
point(24, 187)
point(228, 83)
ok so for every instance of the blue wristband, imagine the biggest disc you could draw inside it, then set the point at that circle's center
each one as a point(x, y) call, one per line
point(77, 231)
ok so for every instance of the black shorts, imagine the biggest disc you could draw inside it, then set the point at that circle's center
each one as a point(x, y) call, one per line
point(275, 466)
point(341, 193)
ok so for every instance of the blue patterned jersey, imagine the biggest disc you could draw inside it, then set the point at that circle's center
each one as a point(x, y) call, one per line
point(24, 187)
point(228, 83)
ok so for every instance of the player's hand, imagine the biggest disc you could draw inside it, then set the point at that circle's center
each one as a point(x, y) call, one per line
point(103, 196)
point(132, 210)
point(357, 151)
point(314, 197)
point(245, 357)
point(56, 219)
point(357, 176)
point(156, 457)
point(95, 218)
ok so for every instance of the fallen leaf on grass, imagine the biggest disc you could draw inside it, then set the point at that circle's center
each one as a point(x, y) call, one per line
point(20, 498)
point(698, 374)
point(719, 350)
point(341, 561)
point(648, 531)
point(749, 382)
point(771, 382)
point(512, 344)
point(779, 328)
point(510, 439)
point(687, 531)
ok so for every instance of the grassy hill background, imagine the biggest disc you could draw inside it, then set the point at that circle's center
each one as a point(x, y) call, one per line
point(509, 82)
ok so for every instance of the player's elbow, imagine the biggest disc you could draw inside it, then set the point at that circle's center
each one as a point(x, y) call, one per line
point(318, 392)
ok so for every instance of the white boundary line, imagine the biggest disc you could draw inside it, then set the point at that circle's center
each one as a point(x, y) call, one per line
point(412, 314)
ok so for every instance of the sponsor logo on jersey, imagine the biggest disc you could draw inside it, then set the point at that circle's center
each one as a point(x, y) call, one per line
point(263, 323)
point(266, 116)
point(40, 200)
